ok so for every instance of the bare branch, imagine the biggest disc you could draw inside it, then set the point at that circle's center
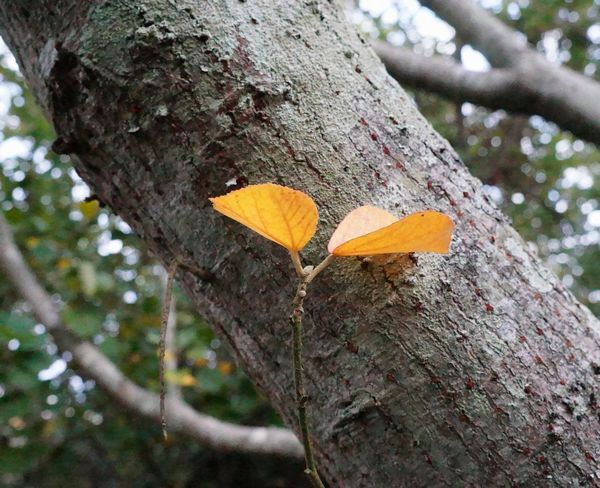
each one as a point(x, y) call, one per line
point(443, 75)
point(500, 43)
point(181, 416)
point(524, 81)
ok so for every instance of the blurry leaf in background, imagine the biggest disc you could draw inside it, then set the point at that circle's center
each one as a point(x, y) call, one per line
point(87, 276)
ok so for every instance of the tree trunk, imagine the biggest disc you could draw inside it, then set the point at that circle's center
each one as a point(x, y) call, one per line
point(463, 370)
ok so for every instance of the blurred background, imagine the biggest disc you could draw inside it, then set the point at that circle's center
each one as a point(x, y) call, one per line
point(57, 426)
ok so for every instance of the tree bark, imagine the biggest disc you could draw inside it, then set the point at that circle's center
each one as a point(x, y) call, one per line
point(463, 370)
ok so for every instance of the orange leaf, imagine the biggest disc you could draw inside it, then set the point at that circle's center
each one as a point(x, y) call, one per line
point(285, 216)
point(368, 230)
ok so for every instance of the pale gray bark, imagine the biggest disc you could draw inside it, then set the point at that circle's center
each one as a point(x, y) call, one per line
point(182, 418)
point(472, 369)
point(522, 80)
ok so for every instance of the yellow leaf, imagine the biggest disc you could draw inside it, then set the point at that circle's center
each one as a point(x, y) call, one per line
point(368, 230)
point(180, 378)
point(359, 222)
point(187, 380)
point(32, 242)
point(89, 208)
point(225, 367)
point(63, 263)
point(200, 362)
point(285, 216)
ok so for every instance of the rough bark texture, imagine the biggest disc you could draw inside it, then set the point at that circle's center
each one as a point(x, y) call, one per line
point(472, 369)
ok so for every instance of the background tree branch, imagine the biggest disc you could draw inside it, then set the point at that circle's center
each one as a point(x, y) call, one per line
point(445, 76)
point(500, 44)
point(523, 80)
point(181, 417)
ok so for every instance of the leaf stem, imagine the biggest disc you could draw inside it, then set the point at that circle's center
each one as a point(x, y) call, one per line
point(164, 322)
point(320, 267)
point(297, 264)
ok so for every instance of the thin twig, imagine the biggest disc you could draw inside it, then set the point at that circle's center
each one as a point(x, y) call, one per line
point(164, 322)
point(173, 390)
point(301, 396)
